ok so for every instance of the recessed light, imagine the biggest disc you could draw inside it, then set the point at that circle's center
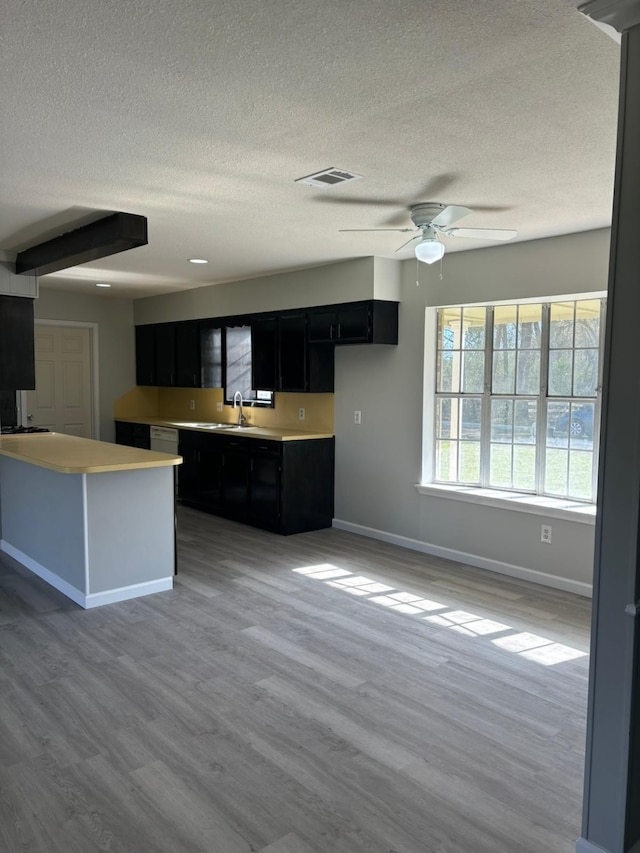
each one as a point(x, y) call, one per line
point(198, 261)
point(102, 284)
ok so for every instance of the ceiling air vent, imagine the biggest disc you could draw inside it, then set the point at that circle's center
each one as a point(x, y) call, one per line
point(328, 178)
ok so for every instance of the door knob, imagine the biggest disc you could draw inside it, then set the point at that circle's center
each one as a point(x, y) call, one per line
point(29, 417)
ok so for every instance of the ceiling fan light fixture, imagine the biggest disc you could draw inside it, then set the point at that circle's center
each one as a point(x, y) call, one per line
point(429, 250)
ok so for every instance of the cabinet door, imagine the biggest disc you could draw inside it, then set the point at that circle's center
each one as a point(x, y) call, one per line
point(210, 475)
point(145, 355)
point(263, 353)
point(293, 366)
point(211, 355)
point(17, 351)
point(124, 433)
point(187, 354)
point(264, 495)
point(165, 354)
point(189, 471)
point(354, 324)
point(141, 436)
point(322, 326)
point(235, 480)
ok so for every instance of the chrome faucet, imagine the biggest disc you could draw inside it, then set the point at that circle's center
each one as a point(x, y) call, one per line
point(237, 398)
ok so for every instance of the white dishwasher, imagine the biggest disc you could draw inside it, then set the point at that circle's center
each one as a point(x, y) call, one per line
point(164, 440)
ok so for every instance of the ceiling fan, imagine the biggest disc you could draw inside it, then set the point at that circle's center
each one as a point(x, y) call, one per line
point(432, 219)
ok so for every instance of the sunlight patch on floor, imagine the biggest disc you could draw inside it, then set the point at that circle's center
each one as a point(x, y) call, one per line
point(530, 646)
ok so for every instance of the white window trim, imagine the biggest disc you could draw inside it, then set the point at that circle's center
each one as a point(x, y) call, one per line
point(584, 513)
point(579, 511)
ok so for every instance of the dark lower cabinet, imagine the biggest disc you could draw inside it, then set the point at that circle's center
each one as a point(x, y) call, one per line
point(133, 435)
point(283, 486)
point(236, 463)
point(264, 486)
point(200, 475)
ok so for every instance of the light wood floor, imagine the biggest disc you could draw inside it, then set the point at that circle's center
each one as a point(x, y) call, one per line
point(259, 708)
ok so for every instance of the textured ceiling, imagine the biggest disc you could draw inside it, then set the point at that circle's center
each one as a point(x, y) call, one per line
point(200, 114)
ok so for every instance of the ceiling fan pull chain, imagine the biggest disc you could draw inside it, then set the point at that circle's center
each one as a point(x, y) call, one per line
point(441, 276)
point(417, 273)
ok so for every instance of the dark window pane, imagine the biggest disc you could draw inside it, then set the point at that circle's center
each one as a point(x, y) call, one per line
point(474, 323)
point(528, 374)
point(471, 415)
point(560, 368)
point(472, 372)
point(585, 373)
point(505, 327)
point(561, 325)
point(504, 372)
point(502, 420)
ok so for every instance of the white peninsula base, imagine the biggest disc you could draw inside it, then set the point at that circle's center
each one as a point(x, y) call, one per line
point(98, 537)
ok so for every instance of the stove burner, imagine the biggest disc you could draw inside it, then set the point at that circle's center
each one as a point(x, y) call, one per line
point(21, 430)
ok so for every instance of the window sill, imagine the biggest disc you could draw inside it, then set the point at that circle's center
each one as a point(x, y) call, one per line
point(516, 501)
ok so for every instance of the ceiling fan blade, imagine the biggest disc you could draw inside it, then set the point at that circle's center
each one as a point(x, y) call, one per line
point(412, 240)
point(489, 208)
point(372, 202)
point(449, 215)
point(482, 233)
point(341, 230)
point(397, 218)
point(435, 186)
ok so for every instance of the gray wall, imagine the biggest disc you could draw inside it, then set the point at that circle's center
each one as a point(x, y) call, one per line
point(362, 278)
point(116, 348)
point(379, 462)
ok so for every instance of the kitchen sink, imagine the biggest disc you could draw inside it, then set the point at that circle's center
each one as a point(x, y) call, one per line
point(210, 425)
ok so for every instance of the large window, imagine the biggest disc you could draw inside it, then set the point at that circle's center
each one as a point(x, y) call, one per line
point(517, 397)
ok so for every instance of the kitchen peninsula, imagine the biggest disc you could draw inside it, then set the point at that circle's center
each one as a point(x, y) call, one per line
point(93, 519)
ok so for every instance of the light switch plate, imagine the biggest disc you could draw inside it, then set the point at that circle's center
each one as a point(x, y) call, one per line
point(218, 406)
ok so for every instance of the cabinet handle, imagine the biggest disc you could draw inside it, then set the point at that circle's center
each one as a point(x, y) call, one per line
point(338, 329)
point(331, 332)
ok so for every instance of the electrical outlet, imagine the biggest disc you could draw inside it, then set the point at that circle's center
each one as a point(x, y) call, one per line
point(192, 405)
point(301, 413)
point(218, 406)
point(545, 534)
point(357, 416)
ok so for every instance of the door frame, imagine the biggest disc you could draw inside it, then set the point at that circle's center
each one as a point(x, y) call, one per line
point(93, 355)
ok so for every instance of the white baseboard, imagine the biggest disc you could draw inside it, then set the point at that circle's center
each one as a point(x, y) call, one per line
point(46, 575)
point(96, 599)
point(123, 593)
point(474, 560)
point(584, 846)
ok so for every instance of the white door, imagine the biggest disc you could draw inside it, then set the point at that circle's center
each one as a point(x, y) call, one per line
point(62, 400)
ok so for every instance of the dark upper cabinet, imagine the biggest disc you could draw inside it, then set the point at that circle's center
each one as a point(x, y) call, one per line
point(168, 354)
point(17, 358)
point(187, 348)
point(146, 355)
point(211, 374)
point(283, 360)
point(370, 322)
point(292, 352)
point(288, 348)
point(165, 354)
point(264, 353)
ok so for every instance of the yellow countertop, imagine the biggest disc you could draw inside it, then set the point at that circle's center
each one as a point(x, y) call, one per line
point(69, 454)
point(271, 433)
